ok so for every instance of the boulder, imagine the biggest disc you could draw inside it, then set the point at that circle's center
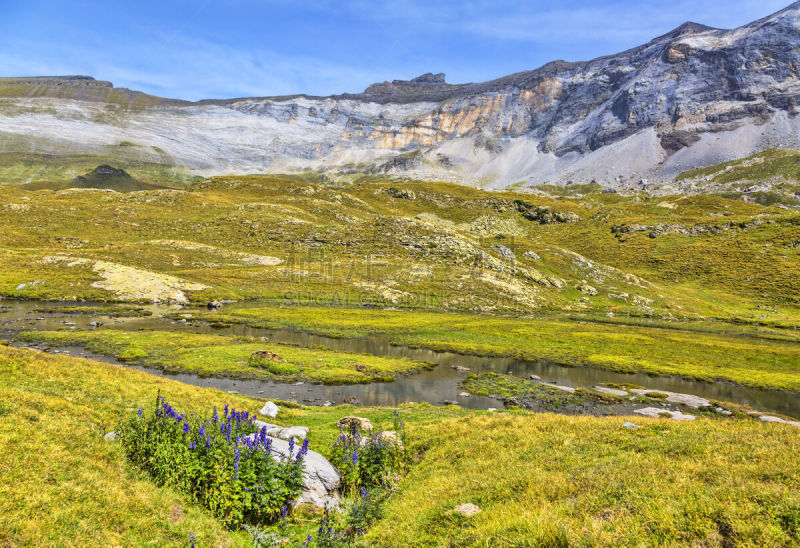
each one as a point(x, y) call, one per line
point(352, 400)
point(261, 424)
point(531, 255)
point(462, 369)
point(504, 251)
point(111, 436)
point(320, 479)
point(346, 423)
point(392, 437)
point(269, 409)
point(586, 289)
point(290, 432)
point(214, 305)
point(629, 425)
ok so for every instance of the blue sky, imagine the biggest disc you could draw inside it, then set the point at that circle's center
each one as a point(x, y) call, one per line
point(234, 48)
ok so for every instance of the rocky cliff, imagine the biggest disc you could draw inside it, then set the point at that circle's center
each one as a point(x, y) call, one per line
point(692, 97)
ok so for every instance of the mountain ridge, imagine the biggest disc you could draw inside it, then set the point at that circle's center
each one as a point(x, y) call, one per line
point(692, 97)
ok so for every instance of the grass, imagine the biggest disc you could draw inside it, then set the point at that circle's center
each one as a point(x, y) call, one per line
point(114, 311)
point(540, 479)
point(700, 354)
point(508, 386)
point(357, 244)
point(218, 355)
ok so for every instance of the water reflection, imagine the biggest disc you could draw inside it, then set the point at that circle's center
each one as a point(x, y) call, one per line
point(435, 386)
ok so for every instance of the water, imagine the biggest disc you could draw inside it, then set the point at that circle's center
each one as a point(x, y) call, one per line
point(435, 386)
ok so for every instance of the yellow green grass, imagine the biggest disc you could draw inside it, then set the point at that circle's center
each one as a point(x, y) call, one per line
point(218, 355)
point(540, 479)
point(359, 244)
point(698, 354)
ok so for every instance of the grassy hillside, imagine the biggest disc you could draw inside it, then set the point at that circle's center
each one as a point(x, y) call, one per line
point(769, 177)
point(539, 479)
point(412, 244)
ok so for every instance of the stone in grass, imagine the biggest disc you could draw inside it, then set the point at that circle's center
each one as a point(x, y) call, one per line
point(767, 418)
point(467, 510)
point(391, 437)
point(262, 424)
point(674, 397)
point(111, 436)
point(269, 409)
point(657, 413)
point(612, 391)
point(627, 424)
point(346, 423)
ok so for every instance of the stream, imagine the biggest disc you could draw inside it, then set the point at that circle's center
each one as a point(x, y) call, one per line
point(434, 386)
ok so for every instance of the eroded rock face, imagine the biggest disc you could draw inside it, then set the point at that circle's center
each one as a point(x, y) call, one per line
point(692, 97)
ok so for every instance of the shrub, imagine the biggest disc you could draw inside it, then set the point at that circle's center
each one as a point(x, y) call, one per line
point(369, 461)
point(220, 462)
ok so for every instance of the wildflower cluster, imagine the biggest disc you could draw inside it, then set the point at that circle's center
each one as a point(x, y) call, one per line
point(368, 460)
point(334, 529)
point(222, 462)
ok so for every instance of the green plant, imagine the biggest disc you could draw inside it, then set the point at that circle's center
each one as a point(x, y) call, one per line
point(369, 461)
point(221, 462)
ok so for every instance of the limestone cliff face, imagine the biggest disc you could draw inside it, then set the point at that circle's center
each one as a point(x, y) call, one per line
point(694, 96)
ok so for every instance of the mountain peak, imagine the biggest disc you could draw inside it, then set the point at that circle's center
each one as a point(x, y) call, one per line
point(430, 78)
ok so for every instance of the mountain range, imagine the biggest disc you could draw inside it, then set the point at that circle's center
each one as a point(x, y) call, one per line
point(693, 97)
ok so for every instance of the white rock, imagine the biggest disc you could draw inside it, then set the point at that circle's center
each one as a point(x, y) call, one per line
point(677, 398)
point(563, 388)
point(293, 432)
point(111, 436)
point(320, 478)
point(535, 378)
point(262, 424)
point(463, 394)
point(612, 391)
point(629, 425)
point(467, 510)
point(269, 409)
point(768, 418)
point(658, 413)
